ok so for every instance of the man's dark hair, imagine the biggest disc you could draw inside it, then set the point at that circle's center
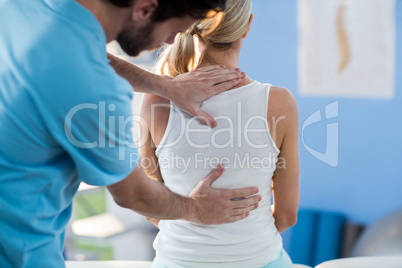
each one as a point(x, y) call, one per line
point(197, 9)
point(122, 3)
point(179, 8)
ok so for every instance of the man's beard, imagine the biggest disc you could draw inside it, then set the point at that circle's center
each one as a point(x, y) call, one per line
point(134, 40)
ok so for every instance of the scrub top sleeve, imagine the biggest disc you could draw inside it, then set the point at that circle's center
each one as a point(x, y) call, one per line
point(93, 123)
point(98, 137)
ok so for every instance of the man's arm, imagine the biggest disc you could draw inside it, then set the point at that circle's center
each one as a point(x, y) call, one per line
point(140, 79)
point(204, 205)
point(187, 91)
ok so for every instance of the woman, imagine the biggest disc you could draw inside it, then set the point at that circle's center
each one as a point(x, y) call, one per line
point(256, 140)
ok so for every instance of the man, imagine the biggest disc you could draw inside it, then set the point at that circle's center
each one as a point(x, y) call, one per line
point(65, 118)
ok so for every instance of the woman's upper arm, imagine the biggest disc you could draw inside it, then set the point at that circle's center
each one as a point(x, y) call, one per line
point(149, 161)
point(285, 181)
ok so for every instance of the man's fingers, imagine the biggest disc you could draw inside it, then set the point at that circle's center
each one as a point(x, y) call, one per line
point(205, 118)
point(222, 72)
point(245, 203)
point(216, 70)
point(214, 175)
point(209, 68)
point(219, 88)
point(236, 218)
point(224, 75)
point(241, 211)
point(227, 77)
point(242, 193)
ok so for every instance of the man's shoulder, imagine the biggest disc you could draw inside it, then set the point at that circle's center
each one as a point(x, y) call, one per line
point(45, 45)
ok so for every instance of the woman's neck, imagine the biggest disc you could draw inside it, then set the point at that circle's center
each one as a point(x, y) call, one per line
point(228, 58)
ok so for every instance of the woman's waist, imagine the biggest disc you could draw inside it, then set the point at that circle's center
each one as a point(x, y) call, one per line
point(246, 243)
point(260, 225)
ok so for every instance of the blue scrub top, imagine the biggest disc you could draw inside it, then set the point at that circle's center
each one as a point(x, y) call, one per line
point(65, 117)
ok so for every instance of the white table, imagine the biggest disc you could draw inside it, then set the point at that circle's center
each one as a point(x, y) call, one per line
point(121, 264)
point(364, 262)
point(108, 264)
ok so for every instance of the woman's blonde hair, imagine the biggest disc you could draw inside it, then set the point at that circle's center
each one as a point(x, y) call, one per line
point(220, 32)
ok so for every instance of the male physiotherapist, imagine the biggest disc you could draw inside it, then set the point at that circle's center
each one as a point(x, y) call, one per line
point(65, 118)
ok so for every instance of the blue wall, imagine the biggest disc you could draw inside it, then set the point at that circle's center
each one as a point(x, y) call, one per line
point(367, 183)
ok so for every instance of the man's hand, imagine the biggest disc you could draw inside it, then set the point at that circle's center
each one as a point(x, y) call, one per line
point(216, 206)
point(189, 90)
point(204, 205)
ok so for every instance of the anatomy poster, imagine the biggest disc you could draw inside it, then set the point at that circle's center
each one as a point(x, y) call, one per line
point(347, 48)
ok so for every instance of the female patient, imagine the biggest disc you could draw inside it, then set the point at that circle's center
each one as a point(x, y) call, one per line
point(256, 140)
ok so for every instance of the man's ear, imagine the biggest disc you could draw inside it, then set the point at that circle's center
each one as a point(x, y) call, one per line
point(249, 26)
point(143, 9)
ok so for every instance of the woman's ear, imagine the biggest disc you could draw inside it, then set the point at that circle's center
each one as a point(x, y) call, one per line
point(249, 25)
point(143, 9)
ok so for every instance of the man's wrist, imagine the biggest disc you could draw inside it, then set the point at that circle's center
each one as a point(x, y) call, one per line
point(190, 209)
point(163, 86)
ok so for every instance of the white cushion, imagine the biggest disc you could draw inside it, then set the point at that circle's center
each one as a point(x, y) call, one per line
point(125, 264)
point(108, 264)
point(364, 262)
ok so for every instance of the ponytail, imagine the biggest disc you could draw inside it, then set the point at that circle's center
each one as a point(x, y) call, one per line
point(178, 58)
point(220, 32)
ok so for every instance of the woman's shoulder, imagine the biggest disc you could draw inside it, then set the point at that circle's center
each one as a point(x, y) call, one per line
point(154, 105)
point(279, 97)
point(282, 97)
point(282, 110)
point(150, 101)
point(282, 102)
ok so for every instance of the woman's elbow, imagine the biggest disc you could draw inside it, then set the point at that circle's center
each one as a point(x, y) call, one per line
point(292, 220)
point(286, 221)
point(289, 221)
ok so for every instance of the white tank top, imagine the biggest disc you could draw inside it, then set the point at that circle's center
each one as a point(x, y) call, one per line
point(242, 143)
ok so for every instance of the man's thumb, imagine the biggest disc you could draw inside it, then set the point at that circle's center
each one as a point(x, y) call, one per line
point(206, 118)
point(214, 175)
